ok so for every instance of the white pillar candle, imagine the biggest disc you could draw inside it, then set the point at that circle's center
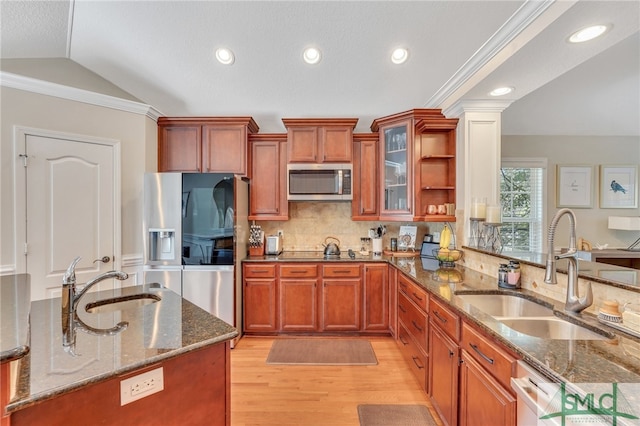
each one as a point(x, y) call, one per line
point(478, 209)
point(493, 214)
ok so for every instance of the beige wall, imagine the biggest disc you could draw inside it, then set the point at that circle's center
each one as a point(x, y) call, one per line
point(581, 150)
point(137, 135)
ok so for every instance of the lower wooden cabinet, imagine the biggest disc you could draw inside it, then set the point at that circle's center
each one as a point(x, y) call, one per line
point(317, 297)
point(260, 285)
point(416, 358)
point(443, 377)
point(483, 401)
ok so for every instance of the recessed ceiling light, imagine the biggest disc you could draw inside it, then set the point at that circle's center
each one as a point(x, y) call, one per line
point(501, 91)
point(225, 56)
point(311, 55)
point(399, 55)
point(588, 33)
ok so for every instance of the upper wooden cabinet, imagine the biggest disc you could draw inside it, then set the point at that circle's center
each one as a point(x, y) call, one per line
point(268, 168)
point(417, 164)
point(204, 144)
point(365, 204)
point(321, 140)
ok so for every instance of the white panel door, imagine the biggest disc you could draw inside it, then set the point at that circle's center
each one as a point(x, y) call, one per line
point(69, 211)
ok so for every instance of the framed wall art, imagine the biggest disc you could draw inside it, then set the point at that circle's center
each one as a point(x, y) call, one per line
point(574, 186)
point(619, 187)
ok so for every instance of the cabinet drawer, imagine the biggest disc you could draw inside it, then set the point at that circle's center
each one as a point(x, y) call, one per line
point(494, 359)
point(260, 271)
point(298, 271)
point(447, 321)
point(414, 292)
point(416, 359)
point(349, 271)
point(414, 320)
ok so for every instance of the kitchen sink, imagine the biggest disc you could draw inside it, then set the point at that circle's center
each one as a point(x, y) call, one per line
point(551, 328)
point(503, 305)
point(121, 303)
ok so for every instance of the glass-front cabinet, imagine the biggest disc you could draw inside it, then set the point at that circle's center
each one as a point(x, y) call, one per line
point(418, 167)
point(396, 169)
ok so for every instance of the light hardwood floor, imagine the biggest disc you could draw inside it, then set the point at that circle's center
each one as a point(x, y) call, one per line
point(266, 395)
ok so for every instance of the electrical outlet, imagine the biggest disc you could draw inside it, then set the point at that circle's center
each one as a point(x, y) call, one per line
point(141, 386)
point(280, 233)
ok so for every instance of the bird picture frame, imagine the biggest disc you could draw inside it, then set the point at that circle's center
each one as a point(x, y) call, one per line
point(574, 186)
point(618, 186)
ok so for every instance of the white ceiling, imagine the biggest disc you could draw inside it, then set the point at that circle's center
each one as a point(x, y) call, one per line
point(162, 53)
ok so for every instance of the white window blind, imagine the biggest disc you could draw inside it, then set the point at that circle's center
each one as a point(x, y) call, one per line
point(522, 195)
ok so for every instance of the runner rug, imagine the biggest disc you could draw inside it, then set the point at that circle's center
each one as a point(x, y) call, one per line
point(394, 415)
point(322, 352)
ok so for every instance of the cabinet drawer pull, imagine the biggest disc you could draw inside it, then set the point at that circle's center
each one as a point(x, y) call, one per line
point(486, 358)
point(415, 361)
point(340, 271)
point(260, 271)
point(416, 325)
point(402, 308)
point(404, 342)
point(416, 296)
point(441, 318)
point(298, 271)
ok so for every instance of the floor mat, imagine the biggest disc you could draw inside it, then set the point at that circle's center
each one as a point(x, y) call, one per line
point(394, 415)
point(322, 351)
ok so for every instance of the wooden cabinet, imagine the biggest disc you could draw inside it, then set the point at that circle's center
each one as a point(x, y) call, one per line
point(365, 204)
point(298, 296)
point(412, 308)
point(375, 301)
point(260, 301)
point(483, 401)
point(319, 140)
point(393, 301)
point(204, 144)
point(268, 168)
point(443, 373)
point(485, 380)
point(341, 297)
point(417, 164)
point(196, 392)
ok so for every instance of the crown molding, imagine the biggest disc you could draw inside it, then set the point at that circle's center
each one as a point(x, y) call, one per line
point(476, 105)
point(517, 23)
point(42, 87)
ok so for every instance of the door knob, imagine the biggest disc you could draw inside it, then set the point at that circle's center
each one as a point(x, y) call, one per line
point(103, 259)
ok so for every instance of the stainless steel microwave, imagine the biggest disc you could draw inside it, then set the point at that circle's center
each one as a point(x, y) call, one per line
point(319, 182)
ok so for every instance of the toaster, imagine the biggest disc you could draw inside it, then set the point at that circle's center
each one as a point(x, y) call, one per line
point(274, 244)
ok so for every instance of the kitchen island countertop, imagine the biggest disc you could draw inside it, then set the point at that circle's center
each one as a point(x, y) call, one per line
point(155, 332)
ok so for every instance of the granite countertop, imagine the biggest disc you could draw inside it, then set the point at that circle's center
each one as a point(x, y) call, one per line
point(15, 297)
point(155, 332)
point(571, 361)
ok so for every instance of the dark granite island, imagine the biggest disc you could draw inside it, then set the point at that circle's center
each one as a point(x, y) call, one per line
point(87, 382)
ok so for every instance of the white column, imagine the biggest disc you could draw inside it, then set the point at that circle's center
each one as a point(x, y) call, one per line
point(477, 155)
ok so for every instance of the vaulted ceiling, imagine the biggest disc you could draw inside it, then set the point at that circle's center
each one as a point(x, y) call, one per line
point(162, 53)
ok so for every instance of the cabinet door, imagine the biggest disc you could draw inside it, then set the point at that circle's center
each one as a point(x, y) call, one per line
point(336, 144)
point(365, 183)
point(376, 298)
point(179, 149)
point(393, 301)
point(395, 165)
point(341, 304)
point(303, 145)
point(298, 304)
point(224, 149)
point(482, 400)
point(260, 305)
point(268, 191)
point(443, 375)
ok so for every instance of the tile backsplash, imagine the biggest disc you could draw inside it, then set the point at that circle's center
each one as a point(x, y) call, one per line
point(311, 222)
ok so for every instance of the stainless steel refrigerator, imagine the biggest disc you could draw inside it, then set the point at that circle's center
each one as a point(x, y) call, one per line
point(195, 236)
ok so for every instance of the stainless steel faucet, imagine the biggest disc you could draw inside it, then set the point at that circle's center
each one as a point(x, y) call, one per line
point(573, 303)
point(70, 298)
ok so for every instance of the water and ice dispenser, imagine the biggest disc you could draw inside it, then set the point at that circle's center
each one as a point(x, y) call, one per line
point(161, 244)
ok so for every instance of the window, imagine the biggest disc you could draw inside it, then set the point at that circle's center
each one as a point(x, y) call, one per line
point(522, 195)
